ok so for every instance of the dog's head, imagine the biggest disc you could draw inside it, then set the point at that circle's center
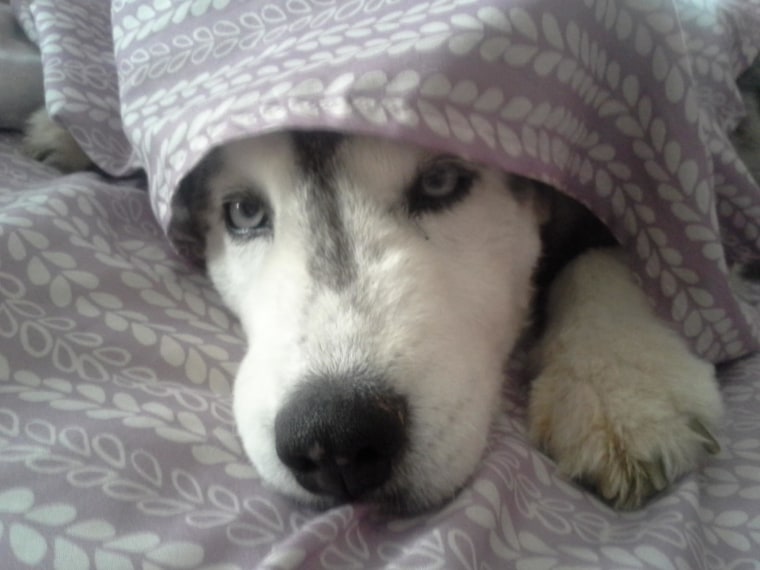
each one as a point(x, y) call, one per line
point(381, 287)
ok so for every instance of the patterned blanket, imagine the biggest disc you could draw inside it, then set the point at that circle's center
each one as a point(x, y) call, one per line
point(624, 105)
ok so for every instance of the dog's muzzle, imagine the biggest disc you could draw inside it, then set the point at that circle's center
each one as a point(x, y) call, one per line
point(341, 440)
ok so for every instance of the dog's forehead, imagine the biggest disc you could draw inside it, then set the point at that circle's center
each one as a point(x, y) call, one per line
point(368, 163)
point(375, 161)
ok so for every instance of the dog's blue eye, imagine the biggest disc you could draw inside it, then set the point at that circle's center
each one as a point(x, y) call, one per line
point(245, 217)
point(440, 181)
point(439, 186)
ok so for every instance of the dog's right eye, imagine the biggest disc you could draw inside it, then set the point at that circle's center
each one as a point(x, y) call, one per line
point(246, 217)
point(439, 186)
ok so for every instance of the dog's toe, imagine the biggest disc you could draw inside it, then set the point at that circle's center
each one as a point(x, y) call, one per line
point(709, 443)
point(636, 482)
point(626, 481)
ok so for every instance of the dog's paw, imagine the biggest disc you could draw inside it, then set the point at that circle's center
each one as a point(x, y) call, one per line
point(622, 430)
point(620, 403)
point(50, 143)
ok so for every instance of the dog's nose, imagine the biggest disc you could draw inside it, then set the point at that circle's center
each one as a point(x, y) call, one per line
point(341, 441)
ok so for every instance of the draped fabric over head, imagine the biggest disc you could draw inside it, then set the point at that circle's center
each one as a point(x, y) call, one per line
point(622, 104)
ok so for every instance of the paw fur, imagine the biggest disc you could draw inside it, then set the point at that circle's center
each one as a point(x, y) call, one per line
point(50, 143)
point(619, 400)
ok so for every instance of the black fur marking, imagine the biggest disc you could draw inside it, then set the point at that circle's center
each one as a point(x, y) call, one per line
point(746, 136)
point(188, 226)
point(332, 259)
point(571, 230)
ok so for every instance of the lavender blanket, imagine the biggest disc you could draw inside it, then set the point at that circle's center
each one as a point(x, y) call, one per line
point(623, 104)
point(117, 443)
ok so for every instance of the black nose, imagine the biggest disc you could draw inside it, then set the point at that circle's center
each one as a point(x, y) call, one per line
point(340, 440)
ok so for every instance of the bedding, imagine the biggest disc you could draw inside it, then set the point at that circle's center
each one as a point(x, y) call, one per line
point(623, 104)
point(117, 442)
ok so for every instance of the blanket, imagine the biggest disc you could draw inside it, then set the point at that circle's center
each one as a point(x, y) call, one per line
point(624, 105)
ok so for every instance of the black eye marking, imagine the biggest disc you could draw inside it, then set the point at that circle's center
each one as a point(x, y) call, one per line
point(439, 186)
point(246, 216)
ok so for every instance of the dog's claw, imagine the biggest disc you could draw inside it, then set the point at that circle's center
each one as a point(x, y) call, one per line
point(656, 473)
point(709, 442)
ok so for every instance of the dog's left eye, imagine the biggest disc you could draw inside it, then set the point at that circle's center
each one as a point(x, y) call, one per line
point(440, 186)
point(246, 217)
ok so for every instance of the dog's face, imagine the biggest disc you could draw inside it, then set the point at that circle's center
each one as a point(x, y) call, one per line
point(381, 287)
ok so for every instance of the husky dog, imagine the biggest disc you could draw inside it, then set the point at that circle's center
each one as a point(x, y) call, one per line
point(382, 288)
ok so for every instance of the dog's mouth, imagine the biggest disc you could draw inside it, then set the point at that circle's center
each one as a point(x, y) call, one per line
point(396, 498)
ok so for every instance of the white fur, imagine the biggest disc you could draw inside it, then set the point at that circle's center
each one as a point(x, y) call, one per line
point(618, 392)
point(47, 141)
point(440, 335)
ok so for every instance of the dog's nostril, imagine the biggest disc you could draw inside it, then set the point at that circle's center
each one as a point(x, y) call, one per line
point(339, 440)
point(366, 455)
point(303, 464)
